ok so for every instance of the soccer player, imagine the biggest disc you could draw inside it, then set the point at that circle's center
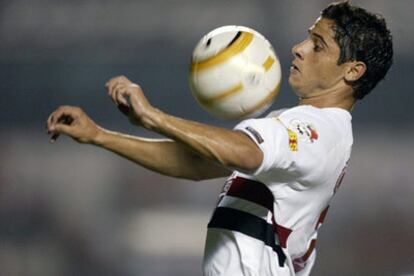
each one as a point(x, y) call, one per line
point(283, 169)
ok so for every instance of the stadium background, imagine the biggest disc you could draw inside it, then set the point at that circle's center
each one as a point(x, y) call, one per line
point(69, 209)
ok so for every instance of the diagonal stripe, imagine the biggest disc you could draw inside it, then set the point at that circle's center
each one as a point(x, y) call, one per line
point(250, 225)
point(246, 206)
point(258, 193)
point(299, 263)
point(222, 95)
point(233, 49)
point(268, 63)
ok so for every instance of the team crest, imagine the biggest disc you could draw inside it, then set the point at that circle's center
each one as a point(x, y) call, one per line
point(306, 132)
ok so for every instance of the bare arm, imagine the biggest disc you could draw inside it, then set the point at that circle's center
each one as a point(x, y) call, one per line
point(198, 151)
point(231, 149)
point(160, 155)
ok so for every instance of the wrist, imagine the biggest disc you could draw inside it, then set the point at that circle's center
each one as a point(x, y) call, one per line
point(99, 138)
point(152, 119)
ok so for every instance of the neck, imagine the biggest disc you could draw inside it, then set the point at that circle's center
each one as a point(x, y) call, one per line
point(336, 98)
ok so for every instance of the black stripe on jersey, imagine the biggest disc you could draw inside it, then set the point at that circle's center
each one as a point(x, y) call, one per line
point(248, 224)
point(252, 191)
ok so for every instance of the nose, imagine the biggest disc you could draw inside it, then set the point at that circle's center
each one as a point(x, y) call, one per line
point(297, 50)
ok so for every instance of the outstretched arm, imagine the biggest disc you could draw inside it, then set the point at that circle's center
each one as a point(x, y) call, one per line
point(160, 155)
point(231, 149)
point(196, 151)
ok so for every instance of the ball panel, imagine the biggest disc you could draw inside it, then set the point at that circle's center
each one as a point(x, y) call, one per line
point(236, 47)
point(215, 81)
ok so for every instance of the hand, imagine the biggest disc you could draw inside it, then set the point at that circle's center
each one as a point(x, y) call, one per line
point(73, 122)
point(130, 100)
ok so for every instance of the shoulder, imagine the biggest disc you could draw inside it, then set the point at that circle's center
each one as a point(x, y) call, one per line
point(311, 123)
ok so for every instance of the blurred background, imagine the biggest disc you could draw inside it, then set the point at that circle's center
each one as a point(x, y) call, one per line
point(70, 209)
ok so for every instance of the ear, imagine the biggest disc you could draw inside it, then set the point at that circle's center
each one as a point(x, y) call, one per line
point(355, 70)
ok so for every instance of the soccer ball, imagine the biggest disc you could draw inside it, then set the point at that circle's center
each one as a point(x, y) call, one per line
point(234, 73)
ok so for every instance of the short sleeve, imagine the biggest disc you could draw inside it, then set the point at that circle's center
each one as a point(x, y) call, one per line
point(304, 143)
point(272, 138)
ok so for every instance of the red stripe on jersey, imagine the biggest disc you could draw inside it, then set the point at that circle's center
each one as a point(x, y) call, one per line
point(260, 194)
point(299, 263)
point(282, 232)
point(322, 217)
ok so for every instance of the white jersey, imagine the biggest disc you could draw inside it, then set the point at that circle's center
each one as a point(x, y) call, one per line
point(266, 221)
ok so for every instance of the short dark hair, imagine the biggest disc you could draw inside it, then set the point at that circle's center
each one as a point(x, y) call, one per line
point(361, 36)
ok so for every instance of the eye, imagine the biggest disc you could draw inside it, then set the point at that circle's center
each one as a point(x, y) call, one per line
point(317, 47)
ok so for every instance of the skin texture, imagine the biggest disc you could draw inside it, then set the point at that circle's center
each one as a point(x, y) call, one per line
point(318, 79)
point(198, 151)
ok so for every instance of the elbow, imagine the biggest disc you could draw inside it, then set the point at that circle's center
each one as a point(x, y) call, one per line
point(253, 163)
point(249, 161)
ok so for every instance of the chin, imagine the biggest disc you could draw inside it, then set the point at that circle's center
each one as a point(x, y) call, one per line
point(295, 87)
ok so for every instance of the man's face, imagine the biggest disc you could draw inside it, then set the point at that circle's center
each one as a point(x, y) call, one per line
point(314, 70)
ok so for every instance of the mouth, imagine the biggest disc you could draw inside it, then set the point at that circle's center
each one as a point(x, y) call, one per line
point(294, 67)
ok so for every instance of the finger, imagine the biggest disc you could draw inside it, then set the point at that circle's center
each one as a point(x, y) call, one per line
point(60, 129)
point(110, 85)
point(56, 129)
point(49, 122)
point(54, 138)
point(121, 95)
point(111, 94)
point(113, 91)
point(109, 82)
point(53, 119)
point(114, 81)
point(66, 119)
point(63, 115)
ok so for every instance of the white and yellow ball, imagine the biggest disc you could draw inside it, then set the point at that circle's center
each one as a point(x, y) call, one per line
point(234, 73)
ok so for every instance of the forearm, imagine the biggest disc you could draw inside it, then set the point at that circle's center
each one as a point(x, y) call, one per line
point(231, 149)
point(160, 155)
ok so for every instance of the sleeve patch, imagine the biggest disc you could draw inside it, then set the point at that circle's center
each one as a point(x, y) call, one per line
point(255, 134)
point(306, 132)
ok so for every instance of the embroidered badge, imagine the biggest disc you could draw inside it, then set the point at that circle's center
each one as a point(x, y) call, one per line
point(255, 134)
point(293, 137)
point(293, 140)
point(306, 132)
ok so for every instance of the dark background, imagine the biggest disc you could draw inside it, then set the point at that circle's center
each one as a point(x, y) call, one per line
point(69, 209)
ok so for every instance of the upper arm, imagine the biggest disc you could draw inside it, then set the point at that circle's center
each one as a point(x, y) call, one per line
point(270, 138)
point(251, 156)
point(204, 169)
point(185, 163)
point(289, 144)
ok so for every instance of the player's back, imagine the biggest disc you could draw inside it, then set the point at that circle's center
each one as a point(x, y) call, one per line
point(266, 221)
